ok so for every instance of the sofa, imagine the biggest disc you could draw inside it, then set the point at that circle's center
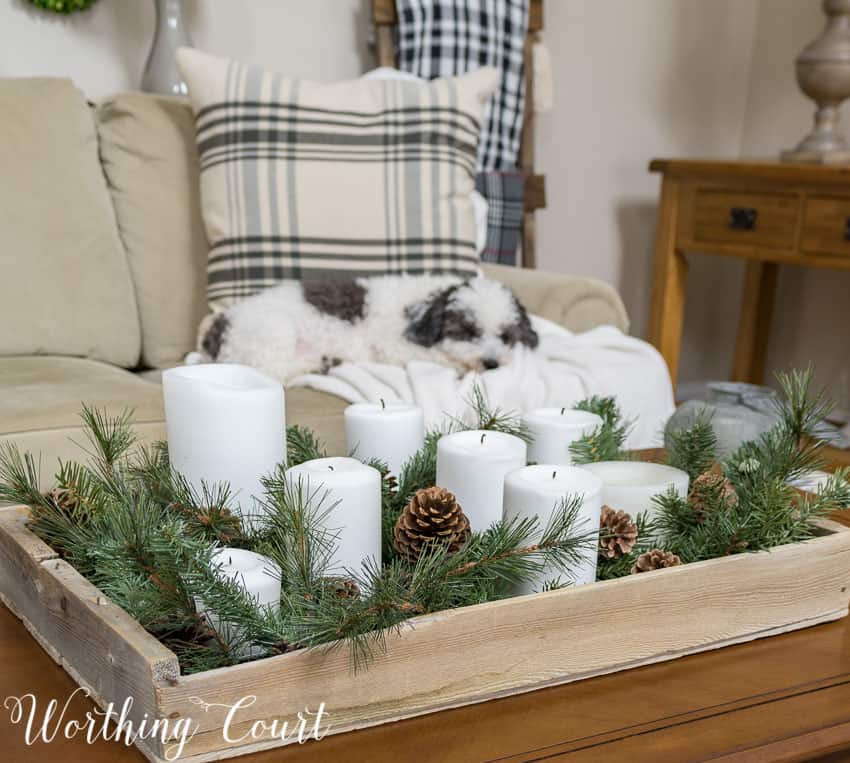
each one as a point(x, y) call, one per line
point(103, 256)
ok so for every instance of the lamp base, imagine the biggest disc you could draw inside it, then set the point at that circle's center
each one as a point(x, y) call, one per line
point(802, 156)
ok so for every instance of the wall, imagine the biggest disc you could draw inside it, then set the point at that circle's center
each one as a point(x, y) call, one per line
point(812, 307)
point(634, 79)
point(104, 49)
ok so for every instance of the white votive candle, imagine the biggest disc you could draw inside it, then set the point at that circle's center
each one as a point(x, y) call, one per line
point(553, 430)
point(538, 491)
point(351, 497)
point(257, 575)
point(631, 485)
point(473, 465)
point(225, 423)
point(388, 432)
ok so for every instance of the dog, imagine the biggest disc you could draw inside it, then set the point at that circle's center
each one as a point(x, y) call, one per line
point(301, 327)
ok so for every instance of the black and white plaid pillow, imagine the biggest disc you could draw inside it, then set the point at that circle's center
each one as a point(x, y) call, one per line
point(307, 180)
point(444, 38)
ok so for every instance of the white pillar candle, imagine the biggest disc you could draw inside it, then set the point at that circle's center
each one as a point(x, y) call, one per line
point(351, 491)
point(630, 485)
point(553, 430)
point(225, 423)
point(259, 577)
point(473, 465)
point(388, 432)
point(538, 491)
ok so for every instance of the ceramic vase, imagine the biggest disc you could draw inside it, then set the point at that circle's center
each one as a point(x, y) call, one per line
point(161, 74)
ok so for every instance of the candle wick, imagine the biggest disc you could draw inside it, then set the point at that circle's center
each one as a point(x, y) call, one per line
point(563, 410)
point(554, 474)
point(330, 467)
point(230, 561)
point(383, 403)
point(482, 437)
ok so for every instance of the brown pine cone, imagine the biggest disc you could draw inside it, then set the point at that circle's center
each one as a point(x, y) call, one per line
point(711, 490)
point(655, 559)
point(342, 588)
point(65, 499)
point(618, 533)
point(432, 516)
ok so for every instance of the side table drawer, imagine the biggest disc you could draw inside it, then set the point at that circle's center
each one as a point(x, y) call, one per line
point(751, 219)
point(826, 226)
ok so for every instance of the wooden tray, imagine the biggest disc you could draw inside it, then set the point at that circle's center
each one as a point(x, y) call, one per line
point(445, 660)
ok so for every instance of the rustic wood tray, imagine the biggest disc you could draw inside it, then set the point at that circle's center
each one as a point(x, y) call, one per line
point(445, 660)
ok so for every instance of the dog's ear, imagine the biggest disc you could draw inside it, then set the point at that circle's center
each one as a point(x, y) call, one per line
point(425, 319)
point(213, 333)
point(525, 333)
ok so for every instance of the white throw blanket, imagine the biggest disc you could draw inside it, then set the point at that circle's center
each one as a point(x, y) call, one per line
point(564, 369)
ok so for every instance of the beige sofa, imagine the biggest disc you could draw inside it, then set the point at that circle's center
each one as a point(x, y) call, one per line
point(103, 264)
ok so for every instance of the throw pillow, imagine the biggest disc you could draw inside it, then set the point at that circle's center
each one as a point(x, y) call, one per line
point(307, 180)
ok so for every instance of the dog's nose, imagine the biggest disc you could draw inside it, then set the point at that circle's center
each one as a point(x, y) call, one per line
point(490, 363)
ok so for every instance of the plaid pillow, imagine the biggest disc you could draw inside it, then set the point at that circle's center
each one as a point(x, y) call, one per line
point(308, 180)
point(505, 195)
point(443, 38)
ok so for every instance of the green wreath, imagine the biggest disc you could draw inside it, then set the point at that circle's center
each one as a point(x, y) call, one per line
point(63, 6)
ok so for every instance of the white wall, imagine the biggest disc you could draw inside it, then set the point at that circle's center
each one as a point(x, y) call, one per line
point(812, 308)
point(104, 48)
point(637, 79)
point(634, 79)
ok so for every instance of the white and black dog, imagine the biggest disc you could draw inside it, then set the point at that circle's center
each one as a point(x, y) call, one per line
point(307, 327)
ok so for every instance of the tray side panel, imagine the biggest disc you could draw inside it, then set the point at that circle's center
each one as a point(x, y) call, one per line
point(479, 653)
point(96, 642)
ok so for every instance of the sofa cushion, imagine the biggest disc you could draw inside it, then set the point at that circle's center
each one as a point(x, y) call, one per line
point(147, 146)
point(308, 180)
point(41, 399)
point(66, 286)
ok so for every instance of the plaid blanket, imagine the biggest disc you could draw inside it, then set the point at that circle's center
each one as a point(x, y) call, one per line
point(505, 194)
point(443, 38)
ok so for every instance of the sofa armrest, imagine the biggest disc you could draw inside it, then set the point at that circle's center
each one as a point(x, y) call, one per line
point(574, 302)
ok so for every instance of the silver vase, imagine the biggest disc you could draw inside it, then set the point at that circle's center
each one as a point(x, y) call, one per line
point(161, 74)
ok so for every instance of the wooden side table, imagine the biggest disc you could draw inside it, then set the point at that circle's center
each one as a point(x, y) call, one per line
point(765, 212)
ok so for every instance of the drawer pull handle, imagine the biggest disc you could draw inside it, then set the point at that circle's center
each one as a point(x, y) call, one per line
point(742, 218)
point(847, 229)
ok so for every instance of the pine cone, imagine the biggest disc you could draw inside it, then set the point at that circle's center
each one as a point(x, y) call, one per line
point(619, 533)
point(711, 490)
point(342, 588)
point(432, 516)
point(65, 499)
point(655, 559)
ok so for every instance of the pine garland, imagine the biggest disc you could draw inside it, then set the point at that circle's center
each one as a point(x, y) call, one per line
point(766, 511)
point(133, 526)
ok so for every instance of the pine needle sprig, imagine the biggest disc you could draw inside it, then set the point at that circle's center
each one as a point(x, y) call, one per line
point(20, 474)
point(494, 419)
point(110, 437)
point(693, 450)
point(607, 441)
point(302, 445)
